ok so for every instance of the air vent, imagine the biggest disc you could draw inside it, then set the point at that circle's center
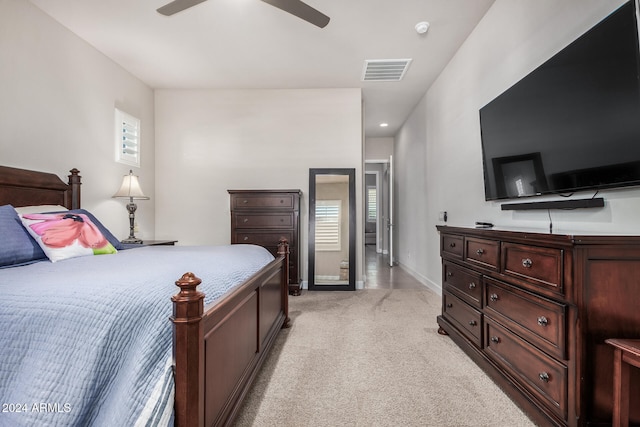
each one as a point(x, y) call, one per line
point(385, 70)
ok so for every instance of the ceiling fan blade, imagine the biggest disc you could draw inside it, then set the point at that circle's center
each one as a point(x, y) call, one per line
point(177, 6)
point(301, 10)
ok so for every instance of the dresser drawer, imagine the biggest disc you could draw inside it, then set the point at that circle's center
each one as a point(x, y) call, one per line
point(267, 239)
point(263, 220)
point(261, 201)
point(452, 245)
point(482, 252)
point(543, 376)
point(539, 320)
point(465, 283)
point(541, 267)
point(467, 319)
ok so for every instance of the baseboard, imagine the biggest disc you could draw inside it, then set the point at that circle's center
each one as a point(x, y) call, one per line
point(304, 284)
point(422, 279)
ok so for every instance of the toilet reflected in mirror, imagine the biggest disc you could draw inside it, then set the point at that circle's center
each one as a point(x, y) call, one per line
point(332, 229)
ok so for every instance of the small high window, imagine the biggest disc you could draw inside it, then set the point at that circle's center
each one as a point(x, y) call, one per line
point(127, 139)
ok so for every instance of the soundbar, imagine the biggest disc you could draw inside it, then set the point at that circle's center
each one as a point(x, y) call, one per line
point(555, 204)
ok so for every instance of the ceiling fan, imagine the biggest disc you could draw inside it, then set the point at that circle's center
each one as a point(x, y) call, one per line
point(294, 7)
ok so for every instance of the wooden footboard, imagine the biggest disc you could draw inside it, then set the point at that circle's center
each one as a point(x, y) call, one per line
point(219, 349)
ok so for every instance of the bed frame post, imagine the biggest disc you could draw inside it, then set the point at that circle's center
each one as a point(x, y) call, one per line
point(188, 349)
point(283, 250)
point(74, 182)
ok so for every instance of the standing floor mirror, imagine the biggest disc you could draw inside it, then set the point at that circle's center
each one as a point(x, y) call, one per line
point(332, 229)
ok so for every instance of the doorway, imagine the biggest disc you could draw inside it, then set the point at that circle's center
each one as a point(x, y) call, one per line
point(377, 207)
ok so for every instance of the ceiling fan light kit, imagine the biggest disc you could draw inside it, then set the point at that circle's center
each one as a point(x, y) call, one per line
point(294, 7)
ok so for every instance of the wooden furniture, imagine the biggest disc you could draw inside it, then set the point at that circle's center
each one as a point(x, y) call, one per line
point(218, 348)
point(533, 310)
point(263, 217)
point(626, 353)
point(158, 242)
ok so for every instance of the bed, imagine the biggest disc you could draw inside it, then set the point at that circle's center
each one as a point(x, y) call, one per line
point(188, 364)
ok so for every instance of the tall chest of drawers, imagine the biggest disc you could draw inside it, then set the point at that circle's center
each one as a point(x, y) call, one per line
point(262, 217)
point(533, 310)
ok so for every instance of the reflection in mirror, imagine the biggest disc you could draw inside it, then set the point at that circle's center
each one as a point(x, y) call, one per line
point(331, 229)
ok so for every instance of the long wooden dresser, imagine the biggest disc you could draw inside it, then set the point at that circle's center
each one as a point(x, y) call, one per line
point(262, 217)
point(533, 310)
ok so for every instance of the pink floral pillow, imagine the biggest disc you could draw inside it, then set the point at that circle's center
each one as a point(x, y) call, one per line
point(66, 235)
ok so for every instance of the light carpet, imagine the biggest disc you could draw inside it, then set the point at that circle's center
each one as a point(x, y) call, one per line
point(372, 358)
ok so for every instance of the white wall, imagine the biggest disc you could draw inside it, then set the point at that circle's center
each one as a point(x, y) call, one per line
point(512, 39)
point(209, 141)
point(378, 148)
point(410, 217)
point(57, 102)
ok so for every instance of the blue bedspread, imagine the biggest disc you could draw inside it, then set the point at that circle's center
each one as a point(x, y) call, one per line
point(77, 350)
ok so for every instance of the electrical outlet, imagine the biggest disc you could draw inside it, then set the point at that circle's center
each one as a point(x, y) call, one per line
point(442, 216)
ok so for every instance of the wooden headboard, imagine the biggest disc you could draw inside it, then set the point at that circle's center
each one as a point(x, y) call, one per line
point(22, 187)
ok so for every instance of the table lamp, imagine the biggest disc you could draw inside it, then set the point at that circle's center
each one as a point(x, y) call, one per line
point(131, 189)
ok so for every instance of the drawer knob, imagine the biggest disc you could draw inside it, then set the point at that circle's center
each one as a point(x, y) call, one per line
point(452, 245)
point(449, 305)
point(495, 340)
point(449, 274)
point(527, 263)
point(473, 323)
point(480, 251)
point(246, 238)
point(494, 297)
point(542, 321)
point(544, 377)
point(245, 201)
point(472, 285)
point(245, 220)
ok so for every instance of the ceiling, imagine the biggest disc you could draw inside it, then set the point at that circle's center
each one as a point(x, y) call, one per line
point(249, 44)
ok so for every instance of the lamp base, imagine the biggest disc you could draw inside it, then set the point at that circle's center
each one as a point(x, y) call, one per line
point(133, 240)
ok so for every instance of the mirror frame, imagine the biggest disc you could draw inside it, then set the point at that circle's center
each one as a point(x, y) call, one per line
point(351, 173)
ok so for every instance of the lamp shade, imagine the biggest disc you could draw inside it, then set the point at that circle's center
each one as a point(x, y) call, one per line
point(130, 188)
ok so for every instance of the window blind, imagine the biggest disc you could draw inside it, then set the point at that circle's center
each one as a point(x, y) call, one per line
point(372, 204)
point(127, 139)
point(328, 217)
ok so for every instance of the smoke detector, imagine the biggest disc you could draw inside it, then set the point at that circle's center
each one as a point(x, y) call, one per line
point(422, 27)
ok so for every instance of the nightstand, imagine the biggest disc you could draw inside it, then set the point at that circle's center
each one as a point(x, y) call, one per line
point(158, 243)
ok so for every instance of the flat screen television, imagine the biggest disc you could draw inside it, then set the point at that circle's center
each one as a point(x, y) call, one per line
point(572, 124)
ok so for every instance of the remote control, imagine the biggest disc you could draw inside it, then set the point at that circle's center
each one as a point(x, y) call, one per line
point(482, 224)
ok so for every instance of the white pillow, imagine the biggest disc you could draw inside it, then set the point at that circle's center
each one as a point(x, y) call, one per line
point(40, 208)
point(66, 235)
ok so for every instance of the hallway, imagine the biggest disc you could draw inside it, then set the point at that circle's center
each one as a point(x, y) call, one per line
point(380, 276)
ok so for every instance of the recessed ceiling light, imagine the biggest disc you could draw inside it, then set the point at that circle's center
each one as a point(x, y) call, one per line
point(384, 125)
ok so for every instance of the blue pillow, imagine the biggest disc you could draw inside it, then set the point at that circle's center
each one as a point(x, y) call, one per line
point(17, 246)
point(105, 232)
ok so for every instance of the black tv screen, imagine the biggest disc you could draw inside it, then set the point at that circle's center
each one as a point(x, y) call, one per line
point(574, 122)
